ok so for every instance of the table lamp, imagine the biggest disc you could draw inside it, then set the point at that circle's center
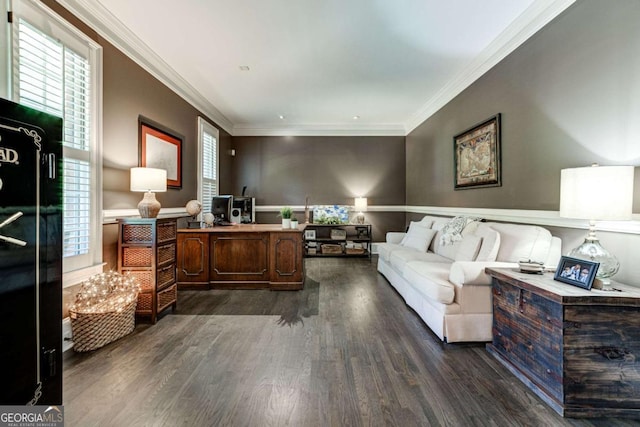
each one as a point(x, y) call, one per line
point(360, 206)
point(148, 180)
point(597, 193)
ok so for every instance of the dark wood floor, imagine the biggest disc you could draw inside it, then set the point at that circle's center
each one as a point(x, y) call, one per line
point(344, 351)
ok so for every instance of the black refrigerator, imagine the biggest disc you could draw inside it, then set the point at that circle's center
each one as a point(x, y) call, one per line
point(30, 256)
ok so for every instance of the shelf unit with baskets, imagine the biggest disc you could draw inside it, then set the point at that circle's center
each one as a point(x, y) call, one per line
point(337, 240)
point(147, 249)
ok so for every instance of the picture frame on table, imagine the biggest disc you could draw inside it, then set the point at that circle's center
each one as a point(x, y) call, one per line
point(576, 272)
point(161, 148)
point(477, 155)
point(309, 234)
point(362, 232)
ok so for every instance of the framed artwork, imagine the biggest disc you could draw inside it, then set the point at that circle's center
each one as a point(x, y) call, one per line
point(576, 272)
point(477, 155)
point(161, 148)
point(310, 234)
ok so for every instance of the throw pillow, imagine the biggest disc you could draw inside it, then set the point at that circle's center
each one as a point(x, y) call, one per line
point(426, 222)
point(468, 248)
point(418, 237)
point(452, 232)
point(490, 245)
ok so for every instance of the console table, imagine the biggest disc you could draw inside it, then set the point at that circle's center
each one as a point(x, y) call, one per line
point(578, 350)
point(244, 256)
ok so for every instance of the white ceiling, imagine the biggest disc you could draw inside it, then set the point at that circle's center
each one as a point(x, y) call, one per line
point(317, 63)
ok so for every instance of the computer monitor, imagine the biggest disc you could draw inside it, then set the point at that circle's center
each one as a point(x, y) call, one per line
point(221, 207)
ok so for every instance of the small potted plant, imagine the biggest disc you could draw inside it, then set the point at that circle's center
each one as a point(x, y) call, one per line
point(294, 222)
point(285, 213)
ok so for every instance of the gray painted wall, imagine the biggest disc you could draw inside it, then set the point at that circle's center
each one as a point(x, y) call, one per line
point(328, 170)
point(129, 91)
point(569, 96)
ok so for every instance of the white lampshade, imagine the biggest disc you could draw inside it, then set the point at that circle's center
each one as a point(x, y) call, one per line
point(148, 179)
point(361, 204)
point(597, 193)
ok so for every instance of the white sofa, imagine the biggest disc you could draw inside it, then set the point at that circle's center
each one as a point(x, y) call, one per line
point(445, 283)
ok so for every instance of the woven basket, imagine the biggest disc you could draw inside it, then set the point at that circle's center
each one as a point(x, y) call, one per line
point(331, 249)
point(94, 330)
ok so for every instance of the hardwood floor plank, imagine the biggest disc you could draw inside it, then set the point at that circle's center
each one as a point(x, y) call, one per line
point(346, 350)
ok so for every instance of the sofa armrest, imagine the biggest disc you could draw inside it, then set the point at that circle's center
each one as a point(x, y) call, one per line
point(395, 236)
point(472, 273)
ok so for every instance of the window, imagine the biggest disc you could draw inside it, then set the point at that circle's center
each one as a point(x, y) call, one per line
point(57, 71)
point(207, 163)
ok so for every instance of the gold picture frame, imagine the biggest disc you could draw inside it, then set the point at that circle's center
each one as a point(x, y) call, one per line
point(477, 157)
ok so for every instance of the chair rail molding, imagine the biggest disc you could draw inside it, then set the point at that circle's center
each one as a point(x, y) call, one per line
point(537, 217)
point(521, 216)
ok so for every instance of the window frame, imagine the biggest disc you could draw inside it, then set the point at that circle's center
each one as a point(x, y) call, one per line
point(41, 17)
point(206, 127)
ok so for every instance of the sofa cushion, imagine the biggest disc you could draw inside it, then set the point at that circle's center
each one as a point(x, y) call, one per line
point(399, 258)
point(522, 242)
point(431, 280)
point(468, 248)
point(418, 237)
point(490, 243)
point(385, 249)
point(439, 222)
point(427, 221)
point(447, 251)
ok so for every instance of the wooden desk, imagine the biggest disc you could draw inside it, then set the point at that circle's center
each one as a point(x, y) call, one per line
point(578, 350)
point(244, 256)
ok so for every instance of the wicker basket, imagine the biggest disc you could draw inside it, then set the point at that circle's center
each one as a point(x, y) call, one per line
point(331, 249)
point(94, 330)
point(104, 310)
point(354, 251)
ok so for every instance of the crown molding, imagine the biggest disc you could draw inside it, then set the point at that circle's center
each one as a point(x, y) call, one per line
point(108, 26)
point(536, 16)
point(320, 130)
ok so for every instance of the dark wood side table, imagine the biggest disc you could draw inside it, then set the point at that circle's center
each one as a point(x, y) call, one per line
point(578, 350)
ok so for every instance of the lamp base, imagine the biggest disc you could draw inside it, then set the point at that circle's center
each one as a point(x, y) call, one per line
point(149, 207)
point(360, 218)
point(592, 250)
point(603, 285)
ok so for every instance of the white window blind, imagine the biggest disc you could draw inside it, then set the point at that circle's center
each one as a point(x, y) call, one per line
point(51, 76)
point(54, 79)
point(208, 167)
